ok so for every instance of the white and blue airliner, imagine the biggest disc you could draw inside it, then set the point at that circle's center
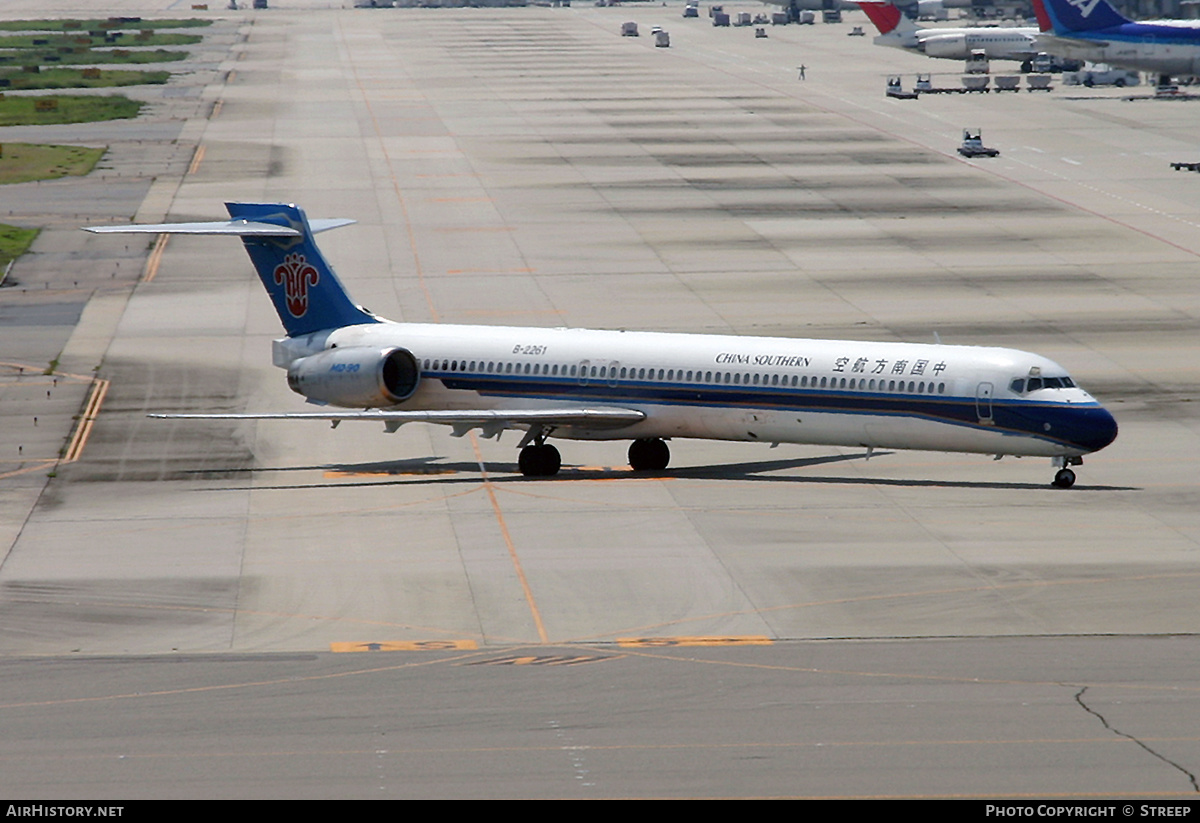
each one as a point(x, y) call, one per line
point(645, 387)
point(1093, 30)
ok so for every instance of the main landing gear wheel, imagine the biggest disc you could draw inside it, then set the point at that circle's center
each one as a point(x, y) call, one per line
point(1064, 479)
point(539, 461)
point(649, 454)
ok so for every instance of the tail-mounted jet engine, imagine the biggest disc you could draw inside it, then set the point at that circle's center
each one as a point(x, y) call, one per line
point(952, 46)
point(356, 377)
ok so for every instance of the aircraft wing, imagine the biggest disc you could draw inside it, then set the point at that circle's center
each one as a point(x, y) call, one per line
point(491, 421)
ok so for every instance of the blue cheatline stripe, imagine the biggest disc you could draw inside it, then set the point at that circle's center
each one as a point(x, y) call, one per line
point(957, 411)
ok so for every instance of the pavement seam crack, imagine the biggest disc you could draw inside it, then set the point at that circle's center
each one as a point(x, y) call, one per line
point(1190, 776)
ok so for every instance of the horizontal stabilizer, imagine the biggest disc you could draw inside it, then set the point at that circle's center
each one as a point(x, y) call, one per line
point(239, 228)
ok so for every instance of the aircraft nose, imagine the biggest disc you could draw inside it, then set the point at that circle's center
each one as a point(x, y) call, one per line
point(1095, 428)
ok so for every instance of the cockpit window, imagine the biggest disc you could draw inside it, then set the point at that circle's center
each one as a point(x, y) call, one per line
point(1021, 386)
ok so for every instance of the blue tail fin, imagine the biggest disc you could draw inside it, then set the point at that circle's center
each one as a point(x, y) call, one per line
point(1082, 15)
point(307, 294)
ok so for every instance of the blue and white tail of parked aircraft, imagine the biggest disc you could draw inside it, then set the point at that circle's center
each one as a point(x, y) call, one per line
point(646, 387)
point(1093, 30)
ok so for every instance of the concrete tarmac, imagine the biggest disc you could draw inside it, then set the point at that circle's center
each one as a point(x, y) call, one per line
point(753, 622)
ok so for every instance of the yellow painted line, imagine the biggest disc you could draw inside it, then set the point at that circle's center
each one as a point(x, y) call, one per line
point(197, 156)
point(659, 642)
point(405, 646)
point(156, 255)
point(83, 428)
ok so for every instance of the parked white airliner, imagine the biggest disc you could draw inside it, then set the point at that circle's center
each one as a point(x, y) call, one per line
point(997, 42)
point(643, 386)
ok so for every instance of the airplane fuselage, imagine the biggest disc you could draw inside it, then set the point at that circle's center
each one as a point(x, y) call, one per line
point(766, 389)
point(958, 44)
point(1156, 47)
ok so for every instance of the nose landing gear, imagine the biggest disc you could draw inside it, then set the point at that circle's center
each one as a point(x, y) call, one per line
point(1064, 478)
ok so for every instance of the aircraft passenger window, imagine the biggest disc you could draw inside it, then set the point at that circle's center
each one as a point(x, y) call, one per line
point(891, 385)
point(842, 384)
point(941, 388)
point(426, 366)
point(708, 377)
point(823, 382)
point(671, 374)
point(793, 380)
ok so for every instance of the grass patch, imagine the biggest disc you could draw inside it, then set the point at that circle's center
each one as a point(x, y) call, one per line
point(79, 79)
point(24, 162)
point(125, 23)
point(21, 111)
point(14, 241)
point(117, 40)
point(86, 56)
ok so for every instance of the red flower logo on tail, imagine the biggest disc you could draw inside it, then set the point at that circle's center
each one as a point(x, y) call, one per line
point(296, 276)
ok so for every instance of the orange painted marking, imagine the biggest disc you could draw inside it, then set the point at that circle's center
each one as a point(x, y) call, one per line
point(659, 642)
point(83, 428)
point(488, 486)
point(197, 158)
point(405, 646)
point(155, 258)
